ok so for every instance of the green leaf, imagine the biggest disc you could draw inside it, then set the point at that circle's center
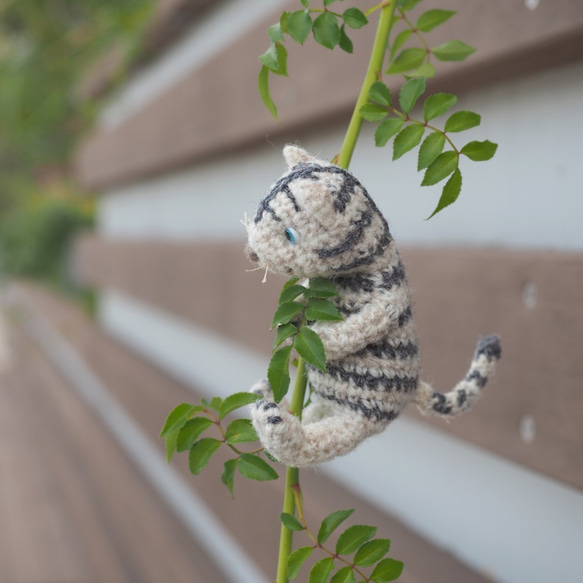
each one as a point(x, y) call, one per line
point(380, 93)
point(191, 432)
point(353, 537)
point(254, 468)
point(331, 523)
point(286, 312)
point(440, 168)
point(407, 60)
point(462, 120)
point(309, 346)
point(228, 475)
point(299, 25)
point(283, 333)
point(343, 575)
point(479, 151)
point(321, 288)
point(354, 18)
point(322, 309)
point(215, 404)
point(450, 192)
point(236, 401)
point(281, 60)
point(438, 104)
point(290, 522)
point(372, 112)
point(407, 5)
point(386, 130)
point(407, 139)
point(426, 70)
point(410, 93)
point(453, 50)
point(321, 571)
point(171, 439)
point(326, 30)
point(328, 2)
point(372, 552)
point(179, 416)
point(263, 86)
point(275, 33)
point(269, 58)
point(400, 40)
point(345, 43)
point(283, 21)
point(296, 560)
point(432, 19)
point(278, 372)
point(201, 453)
point(291, 293)
point(387, 570)
point(305, 3)
point(431, 147)
point(240, 431)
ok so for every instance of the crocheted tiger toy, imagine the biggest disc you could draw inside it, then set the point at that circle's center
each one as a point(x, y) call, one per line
point(317, 220)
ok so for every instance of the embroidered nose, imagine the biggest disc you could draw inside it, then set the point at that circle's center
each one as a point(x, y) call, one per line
point(251, 254)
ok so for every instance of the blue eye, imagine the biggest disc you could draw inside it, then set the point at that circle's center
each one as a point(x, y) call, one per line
point(292, 235)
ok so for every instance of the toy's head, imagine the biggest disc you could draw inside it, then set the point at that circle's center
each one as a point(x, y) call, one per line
point(317, 220)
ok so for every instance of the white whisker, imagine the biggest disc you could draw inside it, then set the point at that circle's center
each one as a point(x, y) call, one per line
point(264, 280)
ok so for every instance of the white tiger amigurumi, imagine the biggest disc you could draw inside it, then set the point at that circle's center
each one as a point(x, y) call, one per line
point(317, 220)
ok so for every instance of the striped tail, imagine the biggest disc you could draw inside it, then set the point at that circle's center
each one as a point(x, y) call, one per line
point(467, 392)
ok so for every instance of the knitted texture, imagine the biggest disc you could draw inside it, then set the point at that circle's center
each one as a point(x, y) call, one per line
point(317, 220)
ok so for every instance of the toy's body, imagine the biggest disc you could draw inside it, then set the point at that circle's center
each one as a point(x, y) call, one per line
point(319, 221)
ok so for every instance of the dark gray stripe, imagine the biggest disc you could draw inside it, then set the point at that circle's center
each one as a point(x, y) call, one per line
point(384, 349)
point(369, 381)
point(384, 242)
point(405, 316)
point(478, 378)
point(369, 408)
point(355, 283)
point(490, 347)
point(394, 277)
point(462, 397)
point(355, 234)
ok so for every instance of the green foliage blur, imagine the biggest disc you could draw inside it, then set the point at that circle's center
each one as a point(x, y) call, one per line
point(48, 48)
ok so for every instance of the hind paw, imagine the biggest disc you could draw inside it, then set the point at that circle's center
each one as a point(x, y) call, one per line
point(263, 389)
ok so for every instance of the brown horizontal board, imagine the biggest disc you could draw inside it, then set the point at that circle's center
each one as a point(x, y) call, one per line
point(534, 300)
point(217, 108)
point(148, 394)
point(73, 507)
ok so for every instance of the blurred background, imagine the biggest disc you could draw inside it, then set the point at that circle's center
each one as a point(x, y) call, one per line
point(132, 141)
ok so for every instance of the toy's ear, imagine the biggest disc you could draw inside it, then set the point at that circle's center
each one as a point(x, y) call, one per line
point(294, 155)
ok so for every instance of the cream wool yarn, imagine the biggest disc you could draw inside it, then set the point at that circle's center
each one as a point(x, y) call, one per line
point(317, 220)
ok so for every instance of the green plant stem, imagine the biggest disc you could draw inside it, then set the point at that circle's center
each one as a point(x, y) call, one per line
point(375, 67)
point(292, 476)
